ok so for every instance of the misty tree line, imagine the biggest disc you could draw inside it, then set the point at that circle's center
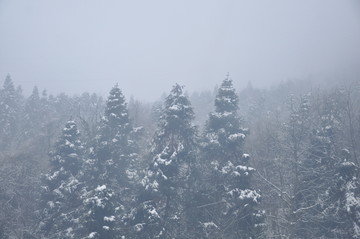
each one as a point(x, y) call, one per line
point(84, 167)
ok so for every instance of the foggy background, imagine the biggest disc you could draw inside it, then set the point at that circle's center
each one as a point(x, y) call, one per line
point(147, 46)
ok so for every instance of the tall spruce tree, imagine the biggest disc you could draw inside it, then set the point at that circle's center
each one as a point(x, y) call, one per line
point(231, 208)
point(61, 186)
point(115, 148)
point(161, 213)
point(110, 172)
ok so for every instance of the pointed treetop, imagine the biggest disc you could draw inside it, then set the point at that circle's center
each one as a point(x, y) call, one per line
point(115, 125)
point(8, 84)
point(175, 120)
point(177, 90)
point(35, 90)
point(116, 107)
point(115, 93)
point(226, 99)
point(35, 94)
point(115, 97)
point(178, 108)
point(44, 94)
point(176, 97)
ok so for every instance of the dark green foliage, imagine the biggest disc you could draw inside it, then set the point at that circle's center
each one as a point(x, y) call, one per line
point(223, 134)
point(341, 209)
point(231, 208)
point(61, 186)
point(98, 217)
point(109, 172)
point(161, 211)
point(115, 149)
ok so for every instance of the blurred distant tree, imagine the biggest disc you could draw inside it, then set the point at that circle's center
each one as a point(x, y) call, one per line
point(9, 113)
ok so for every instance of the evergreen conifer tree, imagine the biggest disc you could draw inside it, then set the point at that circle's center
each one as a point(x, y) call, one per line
point(9, 110)
point(342, 209)
point(166, 181)
point(115, 147)
point(232, 205)
point(61, 186)
point(109, 172)
point(32, 114)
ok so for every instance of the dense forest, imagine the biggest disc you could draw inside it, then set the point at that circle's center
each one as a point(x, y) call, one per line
point(254, 163)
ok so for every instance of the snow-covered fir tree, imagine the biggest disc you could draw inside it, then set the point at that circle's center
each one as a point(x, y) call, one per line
point(231, 208)
point(340, 201)
point(115, 148)
point(161, 213)
point(109, 172)
point(98, 213)
point(61, 186)
point(342, 209)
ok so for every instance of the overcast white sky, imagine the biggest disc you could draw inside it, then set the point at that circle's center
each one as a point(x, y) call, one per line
point(147, 46)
